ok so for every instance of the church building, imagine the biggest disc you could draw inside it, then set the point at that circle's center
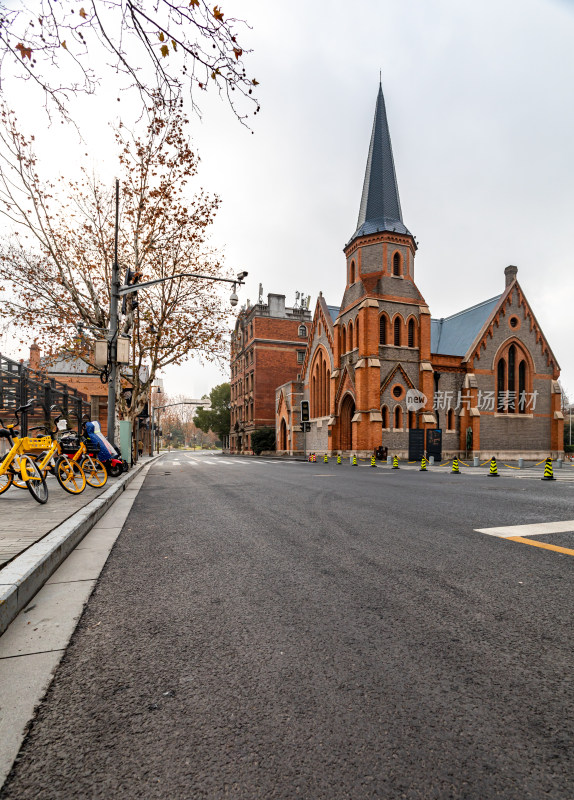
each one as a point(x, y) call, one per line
point(379, 371)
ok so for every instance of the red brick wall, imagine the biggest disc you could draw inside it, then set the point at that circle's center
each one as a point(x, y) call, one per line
point(274, 345)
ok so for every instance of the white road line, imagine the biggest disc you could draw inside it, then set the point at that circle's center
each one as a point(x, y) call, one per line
point(535, 529)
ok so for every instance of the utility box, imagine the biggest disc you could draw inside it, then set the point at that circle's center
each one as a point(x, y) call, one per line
point(126, 440)
point(101, 353)
point(123, 350)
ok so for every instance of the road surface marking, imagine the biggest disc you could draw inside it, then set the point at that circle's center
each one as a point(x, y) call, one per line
point(534, 529)
point(518, 533)
point(542, 544)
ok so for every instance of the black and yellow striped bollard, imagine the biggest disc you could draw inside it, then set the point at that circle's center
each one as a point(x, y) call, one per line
point(423, 465)
point(548, 471)
point(354, 461)
point(493, 469)
point(339, 458)
point(325, 459)
point(455, 468)
point(373, 462)
point(396, 463)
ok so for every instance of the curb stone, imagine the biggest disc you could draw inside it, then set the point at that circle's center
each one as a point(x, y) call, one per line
point(23, 577)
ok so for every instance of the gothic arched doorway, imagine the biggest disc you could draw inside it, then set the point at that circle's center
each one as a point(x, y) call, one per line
point(347, 414)
point(283, 435)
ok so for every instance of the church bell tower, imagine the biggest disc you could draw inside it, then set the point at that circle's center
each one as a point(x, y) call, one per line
point(383, 327)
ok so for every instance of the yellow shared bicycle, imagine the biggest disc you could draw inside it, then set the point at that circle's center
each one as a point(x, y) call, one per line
point(17, 465)
point(69, 474)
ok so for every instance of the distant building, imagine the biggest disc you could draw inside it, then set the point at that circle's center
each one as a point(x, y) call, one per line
point(268, 348)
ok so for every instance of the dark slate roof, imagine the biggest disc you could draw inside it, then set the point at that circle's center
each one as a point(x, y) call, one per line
point(454, 335)
point(334, 312)
point(380, 205)
point(65, 363)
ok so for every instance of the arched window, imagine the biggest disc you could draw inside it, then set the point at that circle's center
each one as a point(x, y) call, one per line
point(450, 419)
point(343, 339)
point(501, 386)
point(320, 385)
point(397, 331)
point(513, 380)
point(512, 405)
point(412, 420)
point(411, 333)
point(357, 343)
point(398, 418)
point(385, 416)
point(382, 329)
point(352, 273)
point(302, 331)
point(397, 264)
point(521, 398)
point(350, 335)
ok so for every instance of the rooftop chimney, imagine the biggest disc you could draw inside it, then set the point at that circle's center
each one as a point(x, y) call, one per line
point(34, 357)
point(276, 304)
point(510, 273)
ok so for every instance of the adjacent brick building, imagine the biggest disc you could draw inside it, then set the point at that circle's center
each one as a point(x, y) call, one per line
point(267, 348)
point(379, 372)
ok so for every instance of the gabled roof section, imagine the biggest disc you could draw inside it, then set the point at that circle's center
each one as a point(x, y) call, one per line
point(452, 336)
point(380, 208)
point(398, 369)
point(327, 315)
point(505, 300)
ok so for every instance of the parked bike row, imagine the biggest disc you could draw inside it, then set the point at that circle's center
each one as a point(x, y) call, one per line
point(75, 460)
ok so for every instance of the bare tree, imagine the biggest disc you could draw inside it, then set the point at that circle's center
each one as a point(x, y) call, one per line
point(162, 47)
point(58, 264)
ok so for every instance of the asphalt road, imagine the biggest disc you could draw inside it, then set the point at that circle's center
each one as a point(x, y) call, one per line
point(272, 630)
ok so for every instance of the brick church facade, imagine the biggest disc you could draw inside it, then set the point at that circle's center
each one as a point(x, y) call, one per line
point(379, 371)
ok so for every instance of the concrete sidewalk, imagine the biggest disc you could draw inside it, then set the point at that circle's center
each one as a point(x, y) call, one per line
point(23, 521)
point(33, 645)
point(38, 538)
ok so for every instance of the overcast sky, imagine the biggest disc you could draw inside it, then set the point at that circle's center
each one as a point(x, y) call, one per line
point(480, 106)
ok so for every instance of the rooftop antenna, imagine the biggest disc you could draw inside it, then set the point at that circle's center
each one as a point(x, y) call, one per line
point(260, 301)
point(297, 296)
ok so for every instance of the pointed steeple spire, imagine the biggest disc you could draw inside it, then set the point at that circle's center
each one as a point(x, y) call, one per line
point(380, 205)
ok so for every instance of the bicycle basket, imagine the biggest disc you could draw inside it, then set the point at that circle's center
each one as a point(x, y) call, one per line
point(39, 443)
point(70, 444)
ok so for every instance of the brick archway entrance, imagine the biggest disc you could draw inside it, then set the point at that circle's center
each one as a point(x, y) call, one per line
point(347, 414)
point(283, 435)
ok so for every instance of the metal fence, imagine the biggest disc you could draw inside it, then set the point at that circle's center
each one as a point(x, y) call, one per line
point(19, 385)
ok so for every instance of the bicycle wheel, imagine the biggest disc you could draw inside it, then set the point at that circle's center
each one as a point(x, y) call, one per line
point(5, 482)
point(95, 472)
point(35, 481)
point(70, 475)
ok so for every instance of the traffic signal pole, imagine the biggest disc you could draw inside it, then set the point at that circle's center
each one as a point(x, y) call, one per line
point(113, 332)
point(304, 419)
